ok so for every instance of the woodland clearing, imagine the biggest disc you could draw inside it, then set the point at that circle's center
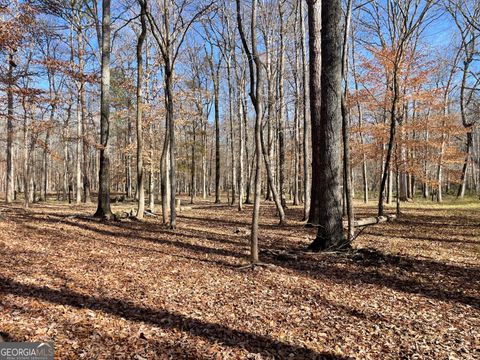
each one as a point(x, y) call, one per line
point(134, 289)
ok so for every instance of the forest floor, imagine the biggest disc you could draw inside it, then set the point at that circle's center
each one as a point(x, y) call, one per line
point(136, 290)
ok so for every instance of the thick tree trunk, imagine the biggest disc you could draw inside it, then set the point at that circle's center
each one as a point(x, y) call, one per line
point(326, 119)
point(103, 209)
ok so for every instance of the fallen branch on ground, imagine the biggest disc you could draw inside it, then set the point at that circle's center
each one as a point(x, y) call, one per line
point(372, 220)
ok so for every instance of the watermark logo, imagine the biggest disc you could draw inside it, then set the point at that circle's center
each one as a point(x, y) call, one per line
point(26, 350)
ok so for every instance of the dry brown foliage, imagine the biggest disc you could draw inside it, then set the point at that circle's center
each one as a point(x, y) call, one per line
point(130, 289)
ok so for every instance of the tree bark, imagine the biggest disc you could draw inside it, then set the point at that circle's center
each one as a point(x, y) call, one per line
point(256, 84)
point(281, 113)
point(232, 131)
point(315, 65)
point(139, 120)
point(360, 133)
point(345, 128)
point(306, 124)
point(327, 120)
point(10, 186)
point(216, 100)
point(103, 209)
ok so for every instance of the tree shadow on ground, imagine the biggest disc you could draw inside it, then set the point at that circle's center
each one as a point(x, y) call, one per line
point(212, 332)
point(432, 279)
point(426, 238)
point(429, 278)
point(164, 236)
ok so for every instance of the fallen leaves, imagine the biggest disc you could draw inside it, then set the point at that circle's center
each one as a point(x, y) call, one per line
point(138, 290)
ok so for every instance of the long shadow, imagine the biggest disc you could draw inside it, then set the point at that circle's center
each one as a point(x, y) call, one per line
point(253, 343)
point(236, 223)
point(426, 220)
point(138, 249)
point(145, 227)
point(215, 220)
point(212, 206)
point(134, 235)
point(425, 238)
point(406, 269)
point(416, 276)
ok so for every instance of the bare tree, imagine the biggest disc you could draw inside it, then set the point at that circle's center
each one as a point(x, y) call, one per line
point(169, 31)
point(256, 83)
point(465, 14)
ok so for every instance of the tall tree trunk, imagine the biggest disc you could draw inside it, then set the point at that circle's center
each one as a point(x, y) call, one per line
point(360, 133)
point(171, 148)
point(151, 173)
point(345, 128)
point(241, 138)
point(233, 165)
point(306, 123)
point(86, 180)
point(46, 162)
point(26, 157)
point(193, 185)
point(216, 100)
point(271, 183)
point(129, 187)
point(204, 158)
point(256, 84)
point(314, 8)
point(78, 158)
point(466, 124)
point(326, 119)
point(103, 209)
point(393, 127)
point(139, 117)
point(81, 64)
point(463, 177)
point(281, 114)
point(296, 141)
point(10, 186)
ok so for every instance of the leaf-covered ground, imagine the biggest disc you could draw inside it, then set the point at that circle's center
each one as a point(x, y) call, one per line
point(136, 290)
